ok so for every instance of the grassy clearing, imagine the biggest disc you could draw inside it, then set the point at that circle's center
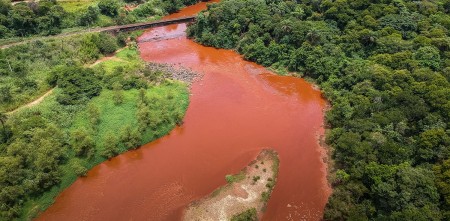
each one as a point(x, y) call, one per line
point(114, 118)
point(128, 58)
point(77, 5)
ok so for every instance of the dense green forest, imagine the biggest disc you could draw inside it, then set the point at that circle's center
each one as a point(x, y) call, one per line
point(94, 112)
point(49, 17)
point(385, 67)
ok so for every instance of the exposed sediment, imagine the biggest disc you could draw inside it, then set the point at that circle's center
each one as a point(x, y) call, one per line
point(174, 72)
point(246, 192)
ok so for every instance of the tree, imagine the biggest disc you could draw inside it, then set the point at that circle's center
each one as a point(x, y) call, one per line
point(110, 146)
point(143, 99)
point(428, 56)
point(5, 94)
point(78, 85)
point(109, 7)
point(117, 93)
point(82, 143)
point(106, 43)
point(143, 116)
point(3, 119)
point(22, 18)
point(50, 23)
point(94, 115)
point(131, 138)
point(5, 6)
point(90, 16)
point(78, 167)
point(442, 173)
point(433, 145)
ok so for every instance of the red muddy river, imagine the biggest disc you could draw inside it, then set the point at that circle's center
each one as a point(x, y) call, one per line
point(237, 109)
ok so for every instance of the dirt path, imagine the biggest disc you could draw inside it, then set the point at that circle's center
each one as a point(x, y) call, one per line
point(41, 98)
point(114, 58)
point(17, 2)
point(33, 103)
point(246, 192)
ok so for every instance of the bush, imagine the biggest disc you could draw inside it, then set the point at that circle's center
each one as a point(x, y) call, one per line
point(118, 93)
point(90, 16)
point(265, 196)
point(110, 148)
point(130, 137)
point(77, 84)
point(82, 143)
point(106, 43)
point(78, 168)
point(109, 7)
point(235, 178)
point(248, 215)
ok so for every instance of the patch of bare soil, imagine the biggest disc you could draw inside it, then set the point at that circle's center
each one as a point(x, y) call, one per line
point(249, 189)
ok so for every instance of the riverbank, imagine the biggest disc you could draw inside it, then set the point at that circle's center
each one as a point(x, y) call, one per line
point(130, 110)
point(245, 195)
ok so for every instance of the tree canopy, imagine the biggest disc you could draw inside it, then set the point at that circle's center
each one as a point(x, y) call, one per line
point(384, 66)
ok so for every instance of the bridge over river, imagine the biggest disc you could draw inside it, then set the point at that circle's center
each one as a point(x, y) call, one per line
point(112, 29)
point(145, 25)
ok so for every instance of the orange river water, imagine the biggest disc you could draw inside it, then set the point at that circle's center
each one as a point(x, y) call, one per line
point(237, 109)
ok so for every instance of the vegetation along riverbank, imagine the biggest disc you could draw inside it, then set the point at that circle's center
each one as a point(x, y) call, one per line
point(385, 68)
point(93, 113)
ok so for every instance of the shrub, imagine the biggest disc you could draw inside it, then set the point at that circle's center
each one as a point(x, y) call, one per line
point(235, 178)
point(109, 7)
point(90, 16)
point(78, 168)
point(82, 143)
point(248, 215)
point(265, 196)
point(110, 148)
point(118, 93)
point(130, 137)
point(77, 84)
point(106, 43)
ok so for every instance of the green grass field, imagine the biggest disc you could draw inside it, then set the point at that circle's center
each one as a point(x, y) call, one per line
point(77, 5)
point(113, 117)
